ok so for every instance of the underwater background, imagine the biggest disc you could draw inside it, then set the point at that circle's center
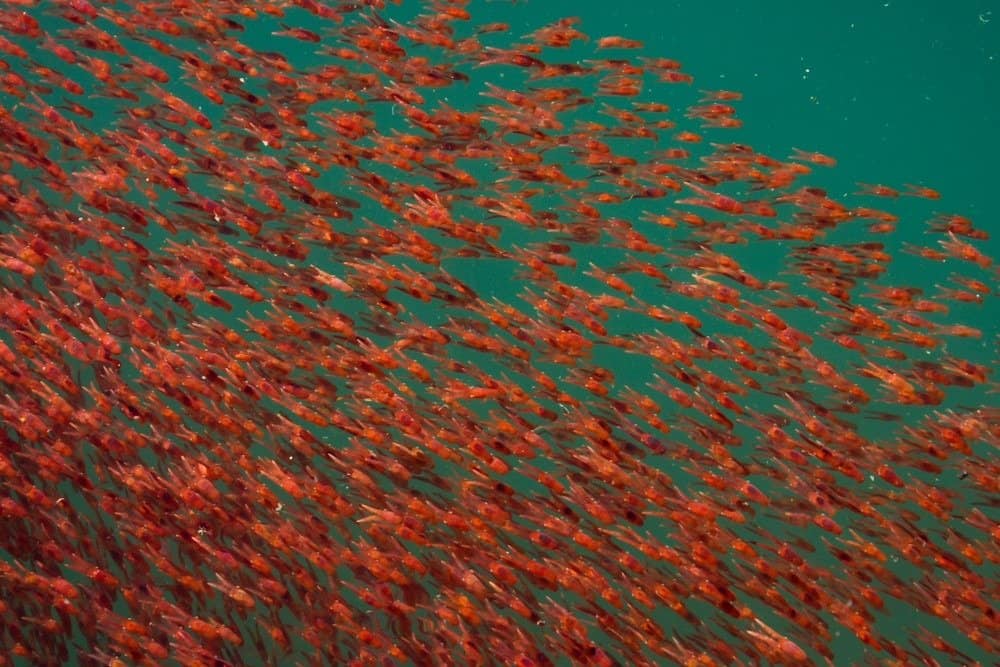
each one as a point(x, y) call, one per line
point(897, 92)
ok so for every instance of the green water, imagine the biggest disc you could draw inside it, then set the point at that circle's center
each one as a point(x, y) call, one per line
point(897, 92)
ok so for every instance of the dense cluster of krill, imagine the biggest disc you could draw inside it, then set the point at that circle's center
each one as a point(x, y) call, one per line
point(337, 337)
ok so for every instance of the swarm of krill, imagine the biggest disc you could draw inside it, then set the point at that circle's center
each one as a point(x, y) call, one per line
point(330, 338)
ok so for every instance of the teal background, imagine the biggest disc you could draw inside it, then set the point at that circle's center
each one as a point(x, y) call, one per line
point(897, 92)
